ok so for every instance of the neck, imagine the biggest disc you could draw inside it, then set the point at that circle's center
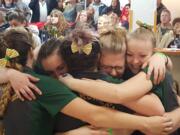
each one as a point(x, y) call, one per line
point(164, 25)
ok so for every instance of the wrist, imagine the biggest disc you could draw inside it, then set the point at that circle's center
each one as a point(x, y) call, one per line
point(162, 55)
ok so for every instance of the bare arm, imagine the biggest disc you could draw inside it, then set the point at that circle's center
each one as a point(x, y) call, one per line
point(108, 118)
point(3, 75)
point(128, 91)
point(21, 83)
point(148, 101)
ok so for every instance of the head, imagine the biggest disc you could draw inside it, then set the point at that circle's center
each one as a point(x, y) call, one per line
point(104, 22)
point(114, 3)
point(74, 51)
point(140, 44)
point(165, 16)
point(60, 3)
point(20, 40)
point(57, 19)
point(16, 19)
point(176, 26)
point(83, 17)
point(49, 60)
point(113, 48)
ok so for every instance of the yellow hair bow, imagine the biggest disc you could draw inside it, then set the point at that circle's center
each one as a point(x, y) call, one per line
point(144, 25)
point(86, 48)
point(10, 53)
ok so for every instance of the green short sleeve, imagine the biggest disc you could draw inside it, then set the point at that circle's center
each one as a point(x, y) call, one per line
point(159, 90)
point(55, 96)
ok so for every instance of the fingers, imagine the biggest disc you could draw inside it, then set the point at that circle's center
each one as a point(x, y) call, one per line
point(149, 73)
point(35, 88)
point(32, 78)
point(19, 95)
point(25, 94)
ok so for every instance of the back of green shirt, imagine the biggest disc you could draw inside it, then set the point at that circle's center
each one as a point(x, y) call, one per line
point(36, 117)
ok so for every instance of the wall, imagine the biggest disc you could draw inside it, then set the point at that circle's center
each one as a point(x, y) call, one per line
point(173, 6)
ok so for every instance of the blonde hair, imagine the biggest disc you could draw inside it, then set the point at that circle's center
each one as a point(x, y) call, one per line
point(143, 34)
point(113, 40)
point(62, 24)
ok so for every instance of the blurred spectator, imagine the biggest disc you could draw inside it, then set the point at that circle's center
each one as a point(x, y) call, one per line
point(16, 18)
point(26, 2)
point(115, 7)
point(71, 11)
point(164, 26)
point(124, 19)
point(99, 8)
point(24, 8)
point(8, 4)
point(85, 20)
point(35, 33)
point(172, 39)
point(60, 5)
point(160, 7)
point(56, 26)
point(104, 24)
point(41, 9)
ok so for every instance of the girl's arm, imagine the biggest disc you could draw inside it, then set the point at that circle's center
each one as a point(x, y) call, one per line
point(128, 91)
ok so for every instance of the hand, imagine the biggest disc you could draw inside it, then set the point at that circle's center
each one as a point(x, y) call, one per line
point(157, 68)
point(66, 79)
point(22, 84)
point(85, 130)
point(158, 125)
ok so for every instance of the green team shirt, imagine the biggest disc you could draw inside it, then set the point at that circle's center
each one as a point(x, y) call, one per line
point(160, 90)
point(36, 117)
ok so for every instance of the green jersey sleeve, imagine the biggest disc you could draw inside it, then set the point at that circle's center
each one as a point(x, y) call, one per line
point(55, 96)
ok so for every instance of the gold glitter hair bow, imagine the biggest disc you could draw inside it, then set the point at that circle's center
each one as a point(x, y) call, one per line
point(144, 25)
point(85, 48)
point(10, 53)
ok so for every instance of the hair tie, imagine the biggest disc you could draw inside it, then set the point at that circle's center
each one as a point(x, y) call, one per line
point(10, 53)
point(85, 48)
point(144, 25)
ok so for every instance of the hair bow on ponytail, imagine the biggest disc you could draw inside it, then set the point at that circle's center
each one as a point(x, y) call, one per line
point(86, 48)
point(144, 25)
point(10, 53)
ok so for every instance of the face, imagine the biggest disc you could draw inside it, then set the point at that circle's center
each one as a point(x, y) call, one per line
point(54, 65)
point(112, 63)
point(103, 24)
point(177, 28)
point(138, 51)
point(54, 19)
point(83, 17)
point(165, 18)
point(90, 11)
point(114, 3)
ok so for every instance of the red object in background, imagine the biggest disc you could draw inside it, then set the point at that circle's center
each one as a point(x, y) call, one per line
point(125, 14)
point(40, 25)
